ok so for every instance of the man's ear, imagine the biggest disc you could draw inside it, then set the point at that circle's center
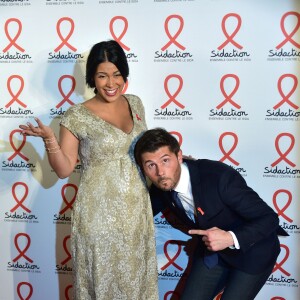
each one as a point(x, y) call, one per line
point(179, 156)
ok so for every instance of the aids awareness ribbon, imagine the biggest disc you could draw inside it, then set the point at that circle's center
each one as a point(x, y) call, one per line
point(17, 150)
point(15, 95)
point(22, 252)
point(280, 211)
point(64, 40)
point(219, 296)
point(288, 37)
point(171, 261)
point(278, 266)
point(178, 135)
point(228, 98)
point(230, 37)
point(173, 295)
point(69, 204)
point(172, 98)
point(285, 98)
point(283, 156)
point(67, 289)
point(14, 39)
point(172, 39)
point(227, 154)
point(119, 38)
point(20, 202)
point(66, 96)
point(30, 291)
point(66, 250)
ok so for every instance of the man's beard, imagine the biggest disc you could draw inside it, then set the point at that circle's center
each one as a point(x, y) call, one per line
point(163, 187)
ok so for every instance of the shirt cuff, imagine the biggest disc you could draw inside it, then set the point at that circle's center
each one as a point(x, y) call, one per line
point(235, 241)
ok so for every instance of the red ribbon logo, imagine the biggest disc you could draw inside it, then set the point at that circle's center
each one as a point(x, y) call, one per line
point(277, 298)
point(20, 202)
point(173, 38)
point(15, 96)
point(283, 156)
point(22, 252)
point(171, 261)
point(14, 39)
point(285, 98)
point(227, 154)
point(111, 28)
point(17, 150)
point(172, 294)
point(63, 194)
point(228, 98)
point(67, 291)
point(179, 136)
point(66, 250)
point(288, 37)
point(30, 291)
point(219, 296)
point(65, 40)
point(230, 37)
point(66, 96)
point(288, 203)
point(278, 266)
point(172, 98)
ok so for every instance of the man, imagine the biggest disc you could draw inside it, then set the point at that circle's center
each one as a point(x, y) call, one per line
point(237, 230)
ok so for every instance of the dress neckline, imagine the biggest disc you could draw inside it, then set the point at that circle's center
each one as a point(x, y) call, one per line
point(106, 122)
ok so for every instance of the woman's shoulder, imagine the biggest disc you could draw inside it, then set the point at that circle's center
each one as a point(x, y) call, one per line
point(133, 98)
point(73, 111)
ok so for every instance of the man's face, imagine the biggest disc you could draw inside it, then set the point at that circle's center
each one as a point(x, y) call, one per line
point(162, 167)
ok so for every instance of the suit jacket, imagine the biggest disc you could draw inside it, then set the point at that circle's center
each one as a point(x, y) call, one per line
point(223, 199)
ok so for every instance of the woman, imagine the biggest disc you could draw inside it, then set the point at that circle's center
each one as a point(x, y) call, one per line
point(113, 246)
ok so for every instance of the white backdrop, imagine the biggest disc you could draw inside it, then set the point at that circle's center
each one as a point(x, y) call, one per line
point(221, 75)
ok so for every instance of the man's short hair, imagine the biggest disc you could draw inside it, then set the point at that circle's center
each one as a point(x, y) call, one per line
point(153, 139)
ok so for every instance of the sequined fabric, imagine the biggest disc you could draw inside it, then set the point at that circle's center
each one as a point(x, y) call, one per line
point(113, 246)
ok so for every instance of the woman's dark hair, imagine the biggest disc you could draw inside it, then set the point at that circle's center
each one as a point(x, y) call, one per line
point(107, 51)
point(153, 139)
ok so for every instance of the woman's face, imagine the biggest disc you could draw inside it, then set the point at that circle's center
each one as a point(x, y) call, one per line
point(109, 82)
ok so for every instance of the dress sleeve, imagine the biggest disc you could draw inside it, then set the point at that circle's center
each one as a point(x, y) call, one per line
point(69, 121)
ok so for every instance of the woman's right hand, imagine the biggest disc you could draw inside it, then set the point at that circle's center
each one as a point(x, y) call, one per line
point(40, 130)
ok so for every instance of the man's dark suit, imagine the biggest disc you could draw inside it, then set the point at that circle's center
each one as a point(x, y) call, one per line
point(223, 199)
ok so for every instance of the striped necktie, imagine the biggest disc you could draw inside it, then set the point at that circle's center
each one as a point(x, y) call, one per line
point(179, 205)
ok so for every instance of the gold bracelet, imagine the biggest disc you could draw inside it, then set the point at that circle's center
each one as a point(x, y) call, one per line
point(53, 150)
point(50, 141)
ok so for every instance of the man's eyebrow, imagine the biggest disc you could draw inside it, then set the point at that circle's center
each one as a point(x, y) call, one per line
point(160, 158)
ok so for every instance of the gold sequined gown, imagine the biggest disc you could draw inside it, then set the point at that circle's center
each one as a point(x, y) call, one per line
point(113, 245)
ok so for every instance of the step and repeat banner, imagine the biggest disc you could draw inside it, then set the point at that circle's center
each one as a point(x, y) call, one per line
point(221, 75)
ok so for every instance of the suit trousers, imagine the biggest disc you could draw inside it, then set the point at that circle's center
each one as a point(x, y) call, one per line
point(204, 284)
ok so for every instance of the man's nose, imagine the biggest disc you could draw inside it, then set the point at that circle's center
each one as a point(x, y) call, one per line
point(160, 170)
